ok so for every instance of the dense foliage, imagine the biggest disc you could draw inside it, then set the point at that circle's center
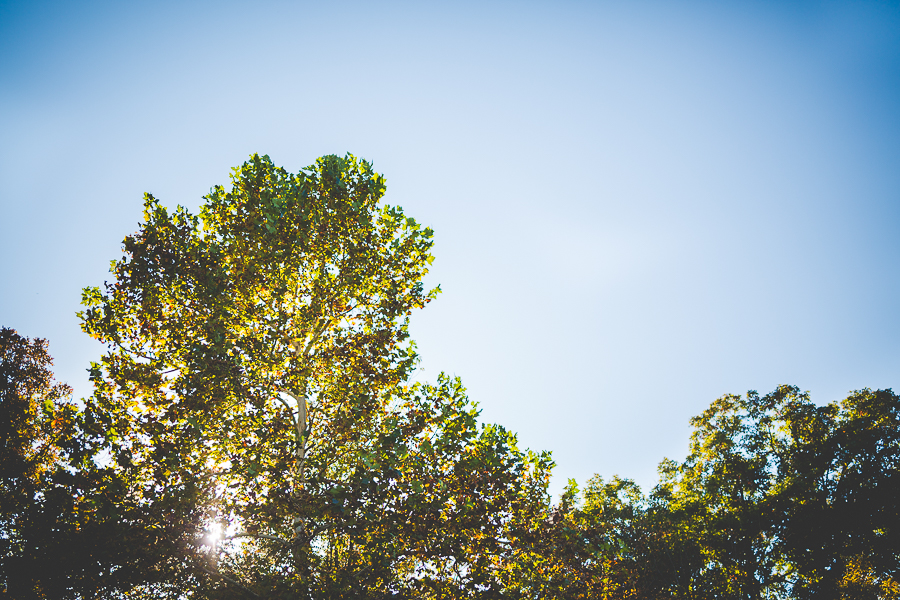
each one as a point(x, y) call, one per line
point(778, 498)
point(254, 433)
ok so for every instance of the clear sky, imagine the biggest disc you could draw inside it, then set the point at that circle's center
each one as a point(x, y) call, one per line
point(638, 206)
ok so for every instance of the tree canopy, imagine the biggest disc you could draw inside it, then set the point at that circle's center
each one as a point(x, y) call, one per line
point(255, 431)
point(258, 377)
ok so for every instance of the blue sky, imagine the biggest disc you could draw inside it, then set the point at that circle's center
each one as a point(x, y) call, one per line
point(638, 206)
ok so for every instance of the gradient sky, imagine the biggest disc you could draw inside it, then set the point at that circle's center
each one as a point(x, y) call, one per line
point(638, 206)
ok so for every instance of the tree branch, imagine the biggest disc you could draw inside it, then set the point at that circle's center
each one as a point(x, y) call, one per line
point(231, 581)
point(256, 535)
point(289, 407)
point(314, 337)
point(134, 352)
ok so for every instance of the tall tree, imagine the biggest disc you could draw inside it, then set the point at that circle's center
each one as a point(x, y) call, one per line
point(256, 375)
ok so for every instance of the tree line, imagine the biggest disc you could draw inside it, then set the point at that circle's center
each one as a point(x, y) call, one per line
point(254, 432)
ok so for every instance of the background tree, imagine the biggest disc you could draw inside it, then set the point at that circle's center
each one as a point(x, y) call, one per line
point(64, 529)
point(31, 425)
point(727, 490)
point(590, 544)
point(610, 541)
point(778, 498)
point(841, 481)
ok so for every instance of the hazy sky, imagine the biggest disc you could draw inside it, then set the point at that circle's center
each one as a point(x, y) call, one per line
point(638, 206)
